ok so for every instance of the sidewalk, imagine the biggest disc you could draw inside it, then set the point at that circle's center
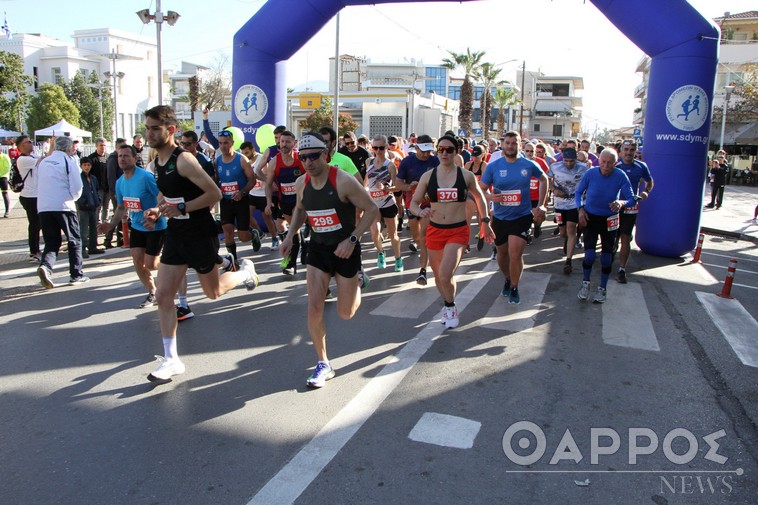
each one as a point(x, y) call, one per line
point(733, 219)
point(14, 248)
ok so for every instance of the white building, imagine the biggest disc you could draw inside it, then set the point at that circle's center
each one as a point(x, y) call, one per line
point(179, 87)
point(552, 105)
point(101, 50)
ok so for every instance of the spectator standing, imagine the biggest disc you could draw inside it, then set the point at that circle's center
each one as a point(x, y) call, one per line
point(27, 166)
point(113, 172)
point(59, 185)
point(5, 168)
point(86, 209)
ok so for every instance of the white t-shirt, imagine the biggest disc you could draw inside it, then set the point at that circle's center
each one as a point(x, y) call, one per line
point(24, 165)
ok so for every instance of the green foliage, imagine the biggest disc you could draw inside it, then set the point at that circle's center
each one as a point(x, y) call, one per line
point(106, 91)
point(504, 98)
point(50, 106)
point(469, 63)
point(13, 94)
point(324, 116)
point(487, 74)
point(85, 100)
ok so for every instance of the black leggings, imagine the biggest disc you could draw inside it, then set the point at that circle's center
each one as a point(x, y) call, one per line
point(33, 231)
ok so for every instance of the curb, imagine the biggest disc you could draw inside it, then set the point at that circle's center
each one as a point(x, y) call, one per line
point(730, 234)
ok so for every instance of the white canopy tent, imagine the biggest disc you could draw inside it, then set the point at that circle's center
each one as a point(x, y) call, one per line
point(60, 128)
point(8, 133)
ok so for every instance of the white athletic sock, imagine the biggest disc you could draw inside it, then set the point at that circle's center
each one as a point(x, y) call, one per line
point(169, 347)
point(183, 301)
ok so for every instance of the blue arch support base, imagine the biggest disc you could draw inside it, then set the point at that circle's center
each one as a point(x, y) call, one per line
point(683, 47)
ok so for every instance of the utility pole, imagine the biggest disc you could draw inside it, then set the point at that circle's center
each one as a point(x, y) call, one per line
point(336, 105)
point(521, 112)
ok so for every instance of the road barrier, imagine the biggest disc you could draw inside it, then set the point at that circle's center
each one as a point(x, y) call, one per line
point(698, 249)
point(727, 289)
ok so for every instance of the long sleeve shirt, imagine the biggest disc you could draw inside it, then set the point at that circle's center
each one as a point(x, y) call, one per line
point(59, 183)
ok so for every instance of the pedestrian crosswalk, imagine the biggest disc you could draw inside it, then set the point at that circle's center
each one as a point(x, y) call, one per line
point(625, 319)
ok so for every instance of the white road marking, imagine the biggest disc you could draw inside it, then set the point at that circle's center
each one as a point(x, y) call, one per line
point(626, 320)
point(289, 483)
point(741, 259)
point(505, 316)
point(445, 430)
point(735, 323)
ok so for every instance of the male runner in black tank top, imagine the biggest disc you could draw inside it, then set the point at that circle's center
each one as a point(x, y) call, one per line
point(329, 199)
point(187, 193)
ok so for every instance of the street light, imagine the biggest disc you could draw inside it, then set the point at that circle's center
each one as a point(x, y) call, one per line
point(728, 93)
point(113, 56)
point(115, 75)
point(171, 18)
point(99, 85)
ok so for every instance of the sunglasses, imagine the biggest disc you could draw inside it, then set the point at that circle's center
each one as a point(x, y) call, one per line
point(350, 143)
point(186, 144)
point(309, 157)
point(528, 150)
point(448, 150)
point(378, 148)
point(224, 133)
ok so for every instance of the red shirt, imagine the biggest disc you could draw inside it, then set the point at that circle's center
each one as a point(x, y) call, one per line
point(534, 186)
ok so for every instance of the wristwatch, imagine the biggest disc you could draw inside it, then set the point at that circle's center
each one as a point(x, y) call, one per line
point(486, 219)
point(353, 239)
point(182, 207)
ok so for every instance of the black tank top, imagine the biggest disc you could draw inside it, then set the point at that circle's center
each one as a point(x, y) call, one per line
point(331, 219)
point(457, 193)
point(174, 186)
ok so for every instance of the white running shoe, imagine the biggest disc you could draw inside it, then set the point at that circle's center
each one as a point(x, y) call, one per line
point(252, 280)
point(600, 295)
point(584, 291)
point(450, 317)
point(168, 368)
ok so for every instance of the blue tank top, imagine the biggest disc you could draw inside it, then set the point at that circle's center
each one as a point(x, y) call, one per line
point(231, 177)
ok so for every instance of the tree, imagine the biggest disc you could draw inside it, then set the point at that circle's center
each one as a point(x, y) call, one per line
point(84, 99)
point(469, 63)
point(487, 74)
point(216, 84)
point(50, 106)
point(13, 94)
point(503, 99)
point(194, 95)
point(324, 116)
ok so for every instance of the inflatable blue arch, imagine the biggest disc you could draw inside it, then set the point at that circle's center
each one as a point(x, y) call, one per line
point(682, 45)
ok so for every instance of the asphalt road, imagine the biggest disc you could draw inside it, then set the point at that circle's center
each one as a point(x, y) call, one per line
point(415, 414)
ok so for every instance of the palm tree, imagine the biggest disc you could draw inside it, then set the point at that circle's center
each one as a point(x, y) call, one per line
point(504, 98)
point(469, 62)
point(487, 74)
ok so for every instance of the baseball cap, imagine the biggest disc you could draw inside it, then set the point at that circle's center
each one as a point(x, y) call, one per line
point(569, 153)
point(424, 143)
point(477, 151)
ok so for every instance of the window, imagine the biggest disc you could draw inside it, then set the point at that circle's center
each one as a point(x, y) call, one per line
point(437, 80)
point(455, 92)
point(557, 130)
point(35, 73)
point(536, 127)
point(57, 77)
point(149, 86)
